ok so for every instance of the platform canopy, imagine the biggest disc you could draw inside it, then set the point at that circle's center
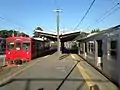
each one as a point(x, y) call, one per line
point(49, 36)
point(69, 36)
point(53, 37)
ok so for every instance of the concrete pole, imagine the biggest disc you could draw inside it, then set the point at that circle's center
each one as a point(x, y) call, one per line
point(58, 38)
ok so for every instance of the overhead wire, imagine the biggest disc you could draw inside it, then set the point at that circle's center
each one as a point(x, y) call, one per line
point(14, 23)
point(19, 26)
point(104, 14)
point(84, 15)
point(108, 14)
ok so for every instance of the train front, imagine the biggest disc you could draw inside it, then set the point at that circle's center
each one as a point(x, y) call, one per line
point(18, 50)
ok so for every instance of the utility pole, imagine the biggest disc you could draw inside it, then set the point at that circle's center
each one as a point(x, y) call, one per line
point(13, 33)
point(58, 21)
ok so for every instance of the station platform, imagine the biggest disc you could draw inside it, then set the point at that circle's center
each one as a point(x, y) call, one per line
point(55, 72)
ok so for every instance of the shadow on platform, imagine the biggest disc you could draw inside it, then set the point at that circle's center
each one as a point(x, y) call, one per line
point(29, 80)
point(68, 51)
point(48, 52)
point(63, 56)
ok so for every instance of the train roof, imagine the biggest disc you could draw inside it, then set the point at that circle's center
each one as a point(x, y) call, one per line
point(18, 37)
point(100, 33)
point(24, 38)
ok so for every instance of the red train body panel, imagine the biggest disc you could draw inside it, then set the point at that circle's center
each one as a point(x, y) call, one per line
point(23, 48)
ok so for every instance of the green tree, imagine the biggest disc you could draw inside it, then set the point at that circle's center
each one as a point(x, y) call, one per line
point(39, 28)
point(95, 30)
point(9, 33)
point(3, 33)
point(35, 34)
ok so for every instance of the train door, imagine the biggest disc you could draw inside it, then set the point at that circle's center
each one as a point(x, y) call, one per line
point(99, 54)
point(111, 65)
point(17, 52)
point(85, 47)
point(80, 48)
point(62, 47)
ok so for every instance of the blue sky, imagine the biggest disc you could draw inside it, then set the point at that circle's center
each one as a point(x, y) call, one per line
point(25, 15)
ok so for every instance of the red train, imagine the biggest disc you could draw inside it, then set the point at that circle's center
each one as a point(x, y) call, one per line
point(24, 49)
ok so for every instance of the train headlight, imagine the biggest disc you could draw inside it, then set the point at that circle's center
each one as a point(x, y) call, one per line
point(8, 52)
point(27, 53)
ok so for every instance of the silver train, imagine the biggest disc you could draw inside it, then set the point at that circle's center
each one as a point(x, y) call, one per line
point(102, 50)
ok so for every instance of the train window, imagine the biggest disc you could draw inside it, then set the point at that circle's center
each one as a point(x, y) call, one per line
point(113, 53)
point(113, 44)
point(26, 46)
point(0, 40)
point(85, 47)
point(91, 48)
point(18, 46)
point(11, 45)
point(113, 49)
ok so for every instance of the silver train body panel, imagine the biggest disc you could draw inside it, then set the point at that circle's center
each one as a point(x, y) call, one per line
point(102, 50)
